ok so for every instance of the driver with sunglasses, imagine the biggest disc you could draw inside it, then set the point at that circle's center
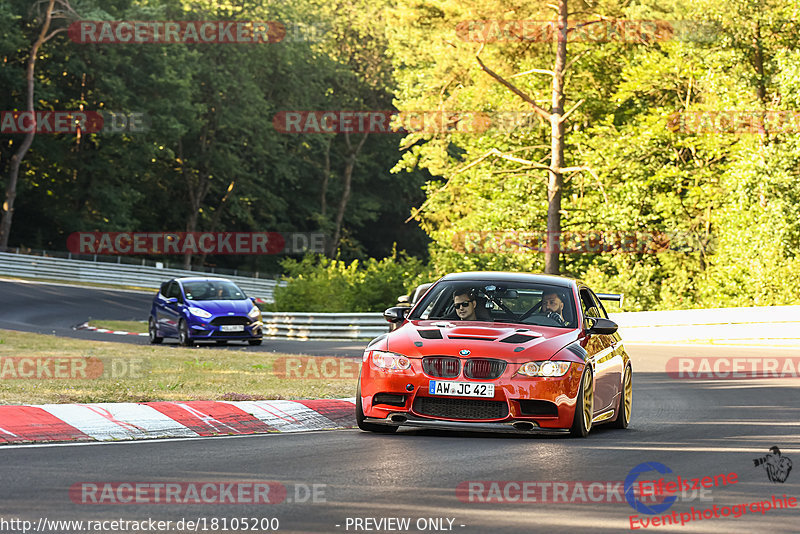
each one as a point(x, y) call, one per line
point(465, 305)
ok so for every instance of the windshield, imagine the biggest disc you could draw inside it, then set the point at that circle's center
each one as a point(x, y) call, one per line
point(499, 302)
point(213, 290)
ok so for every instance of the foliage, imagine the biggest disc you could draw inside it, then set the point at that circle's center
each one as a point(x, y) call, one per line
point(731, 196)
point(319, 284)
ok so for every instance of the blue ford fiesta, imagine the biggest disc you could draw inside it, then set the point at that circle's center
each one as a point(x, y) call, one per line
point(204, 309)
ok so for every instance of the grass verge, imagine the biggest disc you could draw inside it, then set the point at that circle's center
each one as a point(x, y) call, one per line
point(142, 373)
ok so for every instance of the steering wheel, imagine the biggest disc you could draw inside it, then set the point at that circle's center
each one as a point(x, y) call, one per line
point(555, 317)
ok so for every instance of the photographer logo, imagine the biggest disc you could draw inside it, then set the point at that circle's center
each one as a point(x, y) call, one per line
point(778, 467)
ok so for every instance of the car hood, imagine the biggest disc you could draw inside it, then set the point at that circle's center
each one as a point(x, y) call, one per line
point(506, 341)
point(223, 307)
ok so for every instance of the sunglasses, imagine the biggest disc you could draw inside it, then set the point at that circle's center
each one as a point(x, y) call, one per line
point(462, 304)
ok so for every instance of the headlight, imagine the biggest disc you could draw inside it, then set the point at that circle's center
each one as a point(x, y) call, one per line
point(390, 361)
point(254, 314)
point(199, 312)
point(547, 368)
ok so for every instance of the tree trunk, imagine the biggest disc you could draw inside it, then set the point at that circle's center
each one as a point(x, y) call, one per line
point(16, 159)
point(201, 259)
point(323, 202)
point(350, 163)
point(556, 178)
point(197, 186)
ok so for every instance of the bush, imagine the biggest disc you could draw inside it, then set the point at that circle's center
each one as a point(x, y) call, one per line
point(320, 284)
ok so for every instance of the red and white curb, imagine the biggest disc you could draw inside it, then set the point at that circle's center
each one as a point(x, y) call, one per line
point(85, 326)
point(166, 419)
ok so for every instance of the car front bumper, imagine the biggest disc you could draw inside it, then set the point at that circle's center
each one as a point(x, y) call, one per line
point(520, 404)
point(200, 331)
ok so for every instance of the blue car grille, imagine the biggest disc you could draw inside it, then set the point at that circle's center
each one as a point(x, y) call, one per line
point(233, 319)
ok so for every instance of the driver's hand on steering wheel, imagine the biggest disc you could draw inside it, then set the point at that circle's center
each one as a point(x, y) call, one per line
point(556, 317)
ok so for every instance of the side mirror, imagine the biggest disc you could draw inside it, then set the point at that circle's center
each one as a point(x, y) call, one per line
point(172, 300)
point(598, 325)
point(395, 315)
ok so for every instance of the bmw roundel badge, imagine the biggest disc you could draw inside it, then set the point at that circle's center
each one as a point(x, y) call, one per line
point(464, 352)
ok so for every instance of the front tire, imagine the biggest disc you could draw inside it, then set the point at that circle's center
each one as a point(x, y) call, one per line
point(369, 427)
point(152, 330)
point(584, 408)
point(183, 334)
point(625, 401)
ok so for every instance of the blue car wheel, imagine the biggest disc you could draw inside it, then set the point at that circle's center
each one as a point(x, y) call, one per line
point(153, 331)
point(183, 334)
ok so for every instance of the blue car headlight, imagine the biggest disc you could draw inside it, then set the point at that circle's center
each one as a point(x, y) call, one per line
point(199, 312)
point(254, 314)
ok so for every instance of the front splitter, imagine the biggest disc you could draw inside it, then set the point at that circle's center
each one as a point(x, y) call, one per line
point(509, 427)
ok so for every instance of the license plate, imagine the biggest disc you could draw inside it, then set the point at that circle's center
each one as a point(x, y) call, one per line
point(460, 389)
point(232, 328)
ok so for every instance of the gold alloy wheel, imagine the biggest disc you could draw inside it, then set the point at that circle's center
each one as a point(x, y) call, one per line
point(628, 388)
point(588, 400)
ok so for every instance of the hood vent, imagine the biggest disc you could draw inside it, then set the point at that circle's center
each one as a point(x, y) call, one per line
point(517, 338)
point(430, 334)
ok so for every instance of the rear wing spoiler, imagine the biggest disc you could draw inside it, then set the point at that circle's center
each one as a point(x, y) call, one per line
point(616, 297)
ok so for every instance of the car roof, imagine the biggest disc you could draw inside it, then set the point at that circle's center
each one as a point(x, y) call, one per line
point(505, 276)
point(202, 279)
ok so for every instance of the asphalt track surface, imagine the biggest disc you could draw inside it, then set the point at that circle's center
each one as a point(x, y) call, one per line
point(695, 428)
point(55, 309)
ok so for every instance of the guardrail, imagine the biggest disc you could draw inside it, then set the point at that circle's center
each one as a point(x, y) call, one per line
point(324, 325)
point(775, 325)
point(115, 273)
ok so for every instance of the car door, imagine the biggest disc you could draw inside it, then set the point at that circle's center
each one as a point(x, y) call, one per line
point(170, 312)
point(600, 353)
point(611, 363)
point(617, 363)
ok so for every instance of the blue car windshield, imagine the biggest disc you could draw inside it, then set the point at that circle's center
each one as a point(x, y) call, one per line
point(213, 290)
